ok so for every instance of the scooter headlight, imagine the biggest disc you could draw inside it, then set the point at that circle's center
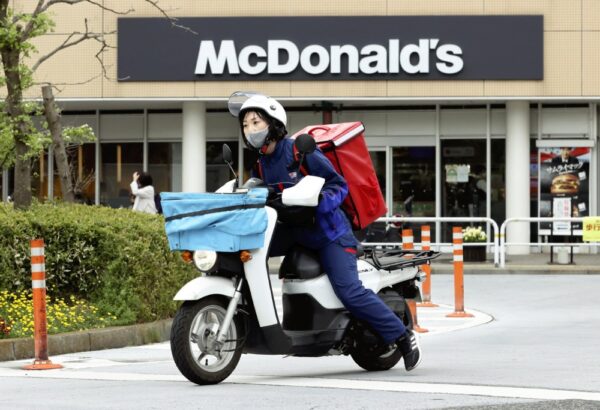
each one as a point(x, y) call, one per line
point(205, 261)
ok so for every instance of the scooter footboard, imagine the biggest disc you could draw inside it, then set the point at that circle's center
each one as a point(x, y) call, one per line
point(205, 286)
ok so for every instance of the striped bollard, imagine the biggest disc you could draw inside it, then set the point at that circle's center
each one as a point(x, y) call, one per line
point(408, 244)
point(459, 288)
point(425, 245)
point(38, 282)
point(407, 239)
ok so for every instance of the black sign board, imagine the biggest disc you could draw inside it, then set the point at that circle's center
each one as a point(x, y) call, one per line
point(331, 48)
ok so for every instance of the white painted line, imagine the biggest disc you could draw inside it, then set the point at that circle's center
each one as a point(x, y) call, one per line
point(89, 375)
point(456, 389)
point(430, 318)
point(329, 383)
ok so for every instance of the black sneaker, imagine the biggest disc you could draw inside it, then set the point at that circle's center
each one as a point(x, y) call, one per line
point(409, 346)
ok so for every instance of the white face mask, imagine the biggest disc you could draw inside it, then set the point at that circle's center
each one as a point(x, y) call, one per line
point(257, 139)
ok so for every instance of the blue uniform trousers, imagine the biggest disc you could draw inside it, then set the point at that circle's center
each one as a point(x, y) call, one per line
point(338, 259)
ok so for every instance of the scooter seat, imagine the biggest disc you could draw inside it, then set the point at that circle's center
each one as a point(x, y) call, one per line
point(300, 263)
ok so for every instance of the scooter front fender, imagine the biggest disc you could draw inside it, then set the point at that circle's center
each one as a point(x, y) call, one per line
point(205, 286)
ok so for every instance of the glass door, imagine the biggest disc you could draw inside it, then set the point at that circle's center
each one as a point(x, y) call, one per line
point(464, 181)
point(376, 231)
point(413, 188)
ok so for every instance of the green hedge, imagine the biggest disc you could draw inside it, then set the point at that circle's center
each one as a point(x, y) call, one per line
point(116, 258)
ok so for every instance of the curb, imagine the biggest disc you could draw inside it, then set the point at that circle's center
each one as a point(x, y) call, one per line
point(88, 340)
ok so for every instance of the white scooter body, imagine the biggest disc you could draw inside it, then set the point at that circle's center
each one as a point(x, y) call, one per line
point(257, 274)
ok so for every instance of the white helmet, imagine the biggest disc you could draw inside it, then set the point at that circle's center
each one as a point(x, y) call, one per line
point(243, 101)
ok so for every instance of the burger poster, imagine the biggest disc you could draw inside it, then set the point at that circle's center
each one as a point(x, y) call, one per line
point(564, 187)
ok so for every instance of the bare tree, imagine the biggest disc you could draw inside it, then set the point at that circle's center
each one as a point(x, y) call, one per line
point(52, 114)
point(16, 33)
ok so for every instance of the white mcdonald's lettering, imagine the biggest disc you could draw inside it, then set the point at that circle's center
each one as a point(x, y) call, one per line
point(283, 57)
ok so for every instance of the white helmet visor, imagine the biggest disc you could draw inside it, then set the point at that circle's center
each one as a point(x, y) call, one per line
point(237, 99)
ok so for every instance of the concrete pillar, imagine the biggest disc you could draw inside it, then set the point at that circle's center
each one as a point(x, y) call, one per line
point(517, 174)
point(193, 147)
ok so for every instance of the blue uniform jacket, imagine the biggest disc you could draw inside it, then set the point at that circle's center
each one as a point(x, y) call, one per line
point(331, 222)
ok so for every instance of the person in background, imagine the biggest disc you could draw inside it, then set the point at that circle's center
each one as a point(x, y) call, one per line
point(142, 189)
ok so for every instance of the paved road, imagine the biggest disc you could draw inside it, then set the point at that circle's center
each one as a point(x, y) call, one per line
point(540, 351)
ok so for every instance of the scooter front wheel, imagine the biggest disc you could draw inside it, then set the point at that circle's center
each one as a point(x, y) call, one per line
point(197, 354)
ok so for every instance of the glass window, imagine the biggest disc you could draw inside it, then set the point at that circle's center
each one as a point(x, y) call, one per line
point(82, 162)
point(413, 191)
point(414, 181)
point(217, 172)
point(39, 177)
point(378, 160)
point(464, 176)
point(498, 182)
point(376, 232)
point(84, 166)
point(118, 163)
point(164, 165)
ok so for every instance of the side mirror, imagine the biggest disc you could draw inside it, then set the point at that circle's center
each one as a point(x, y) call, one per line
point(227, 155)
point(305, 144)
point(228, 158)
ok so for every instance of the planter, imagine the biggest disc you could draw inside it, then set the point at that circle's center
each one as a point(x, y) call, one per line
point(474, 253)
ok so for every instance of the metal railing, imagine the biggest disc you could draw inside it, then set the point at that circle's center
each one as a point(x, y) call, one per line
point(494, 244)
point(503, 242)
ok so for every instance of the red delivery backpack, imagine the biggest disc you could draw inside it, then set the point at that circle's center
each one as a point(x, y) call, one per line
point(344, 145)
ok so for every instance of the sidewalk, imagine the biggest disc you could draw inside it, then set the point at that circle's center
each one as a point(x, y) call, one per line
point(535, 263)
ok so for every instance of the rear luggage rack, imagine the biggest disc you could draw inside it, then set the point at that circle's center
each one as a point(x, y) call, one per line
point(400, 258)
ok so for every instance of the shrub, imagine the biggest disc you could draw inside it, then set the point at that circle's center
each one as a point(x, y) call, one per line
point(115, 258)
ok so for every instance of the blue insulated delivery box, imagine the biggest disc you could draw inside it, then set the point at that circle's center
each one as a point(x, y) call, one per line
point(220, 222)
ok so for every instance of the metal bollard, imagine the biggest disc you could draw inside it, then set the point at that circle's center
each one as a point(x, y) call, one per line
point(425, 245)
point(459, 288)
point(38, 282)
point(407, 243)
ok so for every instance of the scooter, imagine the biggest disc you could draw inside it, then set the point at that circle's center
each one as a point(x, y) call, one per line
point(230, 308)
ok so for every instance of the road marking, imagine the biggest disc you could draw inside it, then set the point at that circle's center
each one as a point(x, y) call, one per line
point(329, 383)
point(406, 387)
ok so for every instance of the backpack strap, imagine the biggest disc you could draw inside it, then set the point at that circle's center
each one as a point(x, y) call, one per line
point(258, 169)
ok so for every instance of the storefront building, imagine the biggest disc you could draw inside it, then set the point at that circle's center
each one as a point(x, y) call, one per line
point(465, 104)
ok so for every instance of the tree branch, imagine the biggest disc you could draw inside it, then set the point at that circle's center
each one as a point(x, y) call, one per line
point(55, 85)
point(95, 3)
point(172, 20)
point(69, 43)
point(27, 30)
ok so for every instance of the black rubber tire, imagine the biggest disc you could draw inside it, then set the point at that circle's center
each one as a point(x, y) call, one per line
point(371, 362)
point(181, 344)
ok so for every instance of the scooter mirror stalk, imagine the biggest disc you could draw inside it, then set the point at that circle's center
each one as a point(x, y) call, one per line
point(228, 158)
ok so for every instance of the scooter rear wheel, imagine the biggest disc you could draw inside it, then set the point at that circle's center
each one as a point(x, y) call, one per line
point(363, 356)
point(193, 334)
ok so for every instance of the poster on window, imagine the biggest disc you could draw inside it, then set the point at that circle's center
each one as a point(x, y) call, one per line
point(564, 187)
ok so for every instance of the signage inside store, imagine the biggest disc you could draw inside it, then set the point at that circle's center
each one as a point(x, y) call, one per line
point(331, 48)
